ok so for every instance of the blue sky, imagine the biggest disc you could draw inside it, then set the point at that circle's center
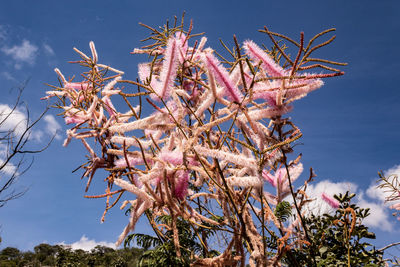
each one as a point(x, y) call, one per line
point(350, 126)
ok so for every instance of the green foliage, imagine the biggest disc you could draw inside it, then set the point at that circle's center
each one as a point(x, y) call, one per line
point(10, 253)
point(163, 252)
point(142, 240)
point(337, 240)
point(163, 255)
point(283, 211)
point(48, 255)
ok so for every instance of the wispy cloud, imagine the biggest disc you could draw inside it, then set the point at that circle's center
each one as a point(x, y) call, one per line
point(48, 50)
point(52, 126)
point(8, 76)
point(9, 168)
point(3, 33)
point(50, 54)
point(87, 244)
point(25, 53)
point(15, 121)
point(12, 120)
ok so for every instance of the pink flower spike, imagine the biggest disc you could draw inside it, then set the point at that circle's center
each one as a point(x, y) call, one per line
point(168, 71)
point(183, 46)
point(94, 52)
point(199, 48)
point(108, 105)
point(64, 81)
point(222, 76)
point(143, 71)
point(330, 201)
point(305, 87)
point(73, 119)
point(269, 178)
point(133, 161)
point(181, 184)
point(77, 86)
point(257, 54)
point(173, 157)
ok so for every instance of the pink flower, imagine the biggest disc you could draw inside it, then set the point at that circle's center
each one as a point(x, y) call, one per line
point(270, 178)
point(280, 179)
point(168, 71)
point(268, 63)
point(181, 184)
point(73, 119)
point(281, 175)
point(144, 74)
point(109, 106)
point(302, 87)
point(222, 76)
point(183, 46)
point(77, 86)
point(173, 157)
point(294, 90)
point(133, 161)
point(330, 201)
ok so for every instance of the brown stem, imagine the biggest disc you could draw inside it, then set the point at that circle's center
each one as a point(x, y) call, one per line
point(279, 126)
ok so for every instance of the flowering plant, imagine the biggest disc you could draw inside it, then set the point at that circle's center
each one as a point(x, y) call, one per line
point(217, 135)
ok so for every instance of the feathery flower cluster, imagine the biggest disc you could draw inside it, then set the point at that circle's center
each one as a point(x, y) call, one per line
point(215, 136)
point(330, 200)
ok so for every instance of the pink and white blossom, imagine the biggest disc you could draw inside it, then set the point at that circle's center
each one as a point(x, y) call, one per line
point(330, 200)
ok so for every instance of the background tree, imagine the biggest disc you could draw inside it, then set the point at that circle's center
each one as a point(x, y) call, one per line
point(9, 254)
point(46, 253)
point(63, 256)
point(338, 239)
point(161, 251)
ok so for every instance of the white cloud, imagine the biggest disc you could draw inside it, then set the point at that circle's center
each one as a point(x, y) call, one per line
point(9, 168)
point(379, 207)
point(379, 193)
point(319, 207)
point(87, 244)
point(12, 120)
point(3, 33)
point(375, 193)
point(52, 126)
point(379, 214)
point(8, 76)
point(48, 50)
point(16, 122)
point(24, 53)
point(372, 198)
point(394, 170)
point(50, 55)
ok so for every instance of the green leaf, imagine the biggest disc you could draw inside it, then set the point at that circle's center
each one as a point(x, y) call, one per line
point(283, 211)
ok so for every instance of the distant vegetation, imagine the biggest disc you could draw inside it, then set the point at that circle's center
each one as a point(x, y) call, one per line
point(48, 255)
